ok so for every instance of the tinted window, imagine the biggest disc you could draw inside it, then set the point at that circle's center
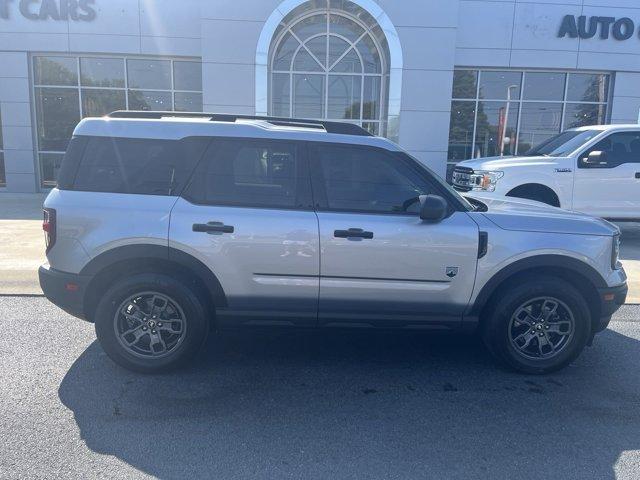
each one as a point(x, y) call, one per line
point(145, 166)
point(368, 180)
point(621, 148)
point(250, 173)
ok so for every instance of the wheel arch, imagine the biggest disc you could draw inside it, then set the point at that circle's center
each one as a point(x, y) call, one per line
point(130, 259)
point(582, 276)
point(536, 187)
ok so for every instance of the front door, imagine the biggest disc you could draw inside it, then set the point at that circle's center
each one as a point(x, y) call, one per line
point(610, 189)
point(248, 216)
point(380, 263)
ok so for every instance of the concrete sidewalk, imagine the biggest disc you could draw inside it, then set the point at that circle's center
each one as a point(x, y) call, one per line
point(22, 242)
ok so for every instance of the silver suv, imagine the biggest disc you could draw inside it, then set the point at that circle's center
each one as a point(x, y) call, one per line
point(165, 226)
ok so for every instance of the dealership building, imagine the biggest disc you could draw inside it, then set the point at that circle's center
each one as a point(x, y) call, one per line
point(446, 79)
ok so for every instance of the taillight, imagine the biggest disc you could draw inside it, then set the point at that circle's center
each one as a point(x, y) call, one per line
point(49, 227)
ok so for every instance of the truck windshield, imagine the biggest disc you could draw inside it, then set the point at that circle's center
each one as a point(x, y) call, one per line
point(562, 144)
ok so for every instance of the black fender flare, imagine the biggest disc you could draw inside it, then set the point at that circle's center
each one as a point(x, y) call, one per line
point(568, 264)
point(161, 253)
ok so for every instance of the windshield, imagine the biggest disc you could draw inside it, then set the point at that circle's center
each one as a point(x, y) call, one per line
point(563, 143)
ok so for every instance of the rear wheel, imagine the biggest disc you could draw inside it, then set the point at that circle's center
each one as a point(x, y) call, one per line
point(150, 323)
point(539, 326)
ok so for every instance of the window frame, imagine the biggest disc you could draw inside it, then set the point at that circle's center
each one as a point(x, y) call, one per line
point(3, 165)
point(521, 100)
point(78, 87)
point(304, 196)
point(320, 194)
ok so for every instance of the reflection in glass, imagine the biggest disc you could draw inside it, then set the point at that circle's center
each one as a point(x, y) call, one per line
point(149, 100)
point(187, 76)
point(310, 26)
point(280, 95)
point(1, 131)
point(308, 96)
point(284, 55)
point(371, 98)
point(496, 128)
point(187, 102)
point(102, 72)
point(465, 84)
point(538, 122)
point(587, 87)
point(370, 55)
point(345, 28)
point(57, 114)
point(155, 74)
point(544, 86)
point(49, 167)
point(500, 85)
point(461, 130)
point(96, 103)
point(579, 115)
point(344, 97)
point(55, 71)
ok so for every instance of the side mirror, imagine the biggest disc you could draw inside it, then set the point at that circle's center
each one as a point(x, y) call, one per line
point(433, 208)
point(596, 159)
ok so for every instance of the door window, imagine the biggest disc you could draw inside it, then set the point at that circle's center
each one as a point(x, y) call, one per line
point(251, 173)
point(619, 148)
point(360, 179)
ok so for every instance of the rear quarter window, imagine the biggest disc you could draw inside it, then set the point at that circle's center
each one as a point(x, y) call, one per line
point(138, 166)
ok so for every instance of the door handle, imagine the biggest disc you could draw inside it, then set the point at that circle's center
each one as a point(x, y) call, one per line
point(213, 227)
point(352, 233)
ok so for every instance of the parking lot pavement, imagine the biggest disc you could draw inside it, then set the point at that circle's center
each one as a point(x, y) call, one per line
point(296, 405)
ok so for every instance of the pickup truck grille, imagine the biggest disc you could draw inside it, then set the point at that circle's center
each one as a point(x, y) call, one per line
point(461, 178)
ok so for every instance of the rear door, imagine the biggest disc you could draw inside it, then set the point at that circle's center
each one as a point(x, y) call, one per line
point(247, 214)
point(610, 189)
point(380, 263)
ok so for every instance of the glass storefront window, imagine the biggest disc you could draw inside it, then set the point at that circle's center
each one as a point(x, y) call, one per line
point(68, 88)
point(329, 61)
point(504, 112)
point(102, 72)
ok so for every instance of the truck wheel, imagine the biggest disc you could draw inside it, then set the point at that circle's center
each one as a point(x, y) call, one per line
point(150, 323)
point(538, 326)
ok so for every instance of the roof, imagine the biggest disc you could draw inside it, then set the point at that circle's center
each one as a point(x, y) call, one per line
point(628, 126)
point(177, 125)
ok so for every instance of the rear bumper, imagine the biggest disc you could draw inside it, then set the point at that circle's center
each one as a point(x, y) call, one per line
point(65, 290)
point(611, 299)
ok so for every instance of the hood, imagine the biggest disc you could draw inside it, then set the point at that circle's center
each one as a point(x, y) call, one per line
point(500, 163)
point(530, 216)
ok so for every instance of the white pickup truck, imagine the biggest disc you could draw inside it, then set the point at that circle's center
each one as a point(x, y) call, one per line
point(595, 170)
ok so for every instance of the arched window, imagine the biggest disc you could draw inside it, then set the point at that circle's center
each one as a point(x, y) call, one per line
point(329, 60)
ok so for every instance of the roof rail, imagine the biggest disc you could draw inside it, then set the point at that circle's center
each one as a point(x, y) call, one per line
point(329, 126)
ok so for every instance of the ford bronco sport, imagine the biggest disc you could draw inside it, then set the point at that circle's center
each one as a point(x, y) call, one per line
point(165, 225)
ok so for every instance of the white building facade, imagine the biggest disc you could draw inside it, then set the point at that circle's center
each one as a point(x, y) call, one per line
point(446, 79)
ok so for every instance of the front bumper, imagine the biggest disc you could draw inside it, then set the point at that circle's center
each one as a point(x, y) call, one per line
point(65, 290)
point(611, 299)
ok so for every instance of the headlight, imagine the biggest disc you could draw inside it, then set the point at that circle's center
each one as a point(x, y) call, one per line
point(485, 181)
point(615, 253)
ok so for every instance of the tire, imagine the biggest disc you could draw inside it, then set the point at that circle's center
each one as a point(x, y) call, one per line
point(513, 336)
point(130, 306)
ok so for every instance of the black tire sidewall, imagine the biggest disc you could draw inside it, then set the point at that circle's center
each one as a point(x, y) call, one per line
point(496, 332)
point(195, 318)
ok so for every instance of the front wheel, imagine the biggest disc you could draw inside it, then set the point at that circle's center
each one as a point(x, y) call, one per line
point(539, 326)
point(150, 323)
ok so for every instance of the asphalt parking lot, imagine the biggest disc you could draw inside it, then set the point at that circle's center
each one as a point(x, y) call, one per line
point(296, 405)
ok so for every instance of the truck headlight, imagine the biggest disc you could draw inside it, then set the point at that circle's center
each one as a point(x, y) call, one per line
point(485, 181)
point(615, 253)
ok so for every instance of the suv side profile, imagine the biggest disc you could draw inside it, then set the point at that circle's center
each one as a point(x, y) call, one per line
point(165, 226)
point(595, 170)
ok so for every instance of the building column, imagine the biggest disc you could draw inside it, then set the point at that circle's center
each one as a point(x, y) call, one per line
point(15, 109)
